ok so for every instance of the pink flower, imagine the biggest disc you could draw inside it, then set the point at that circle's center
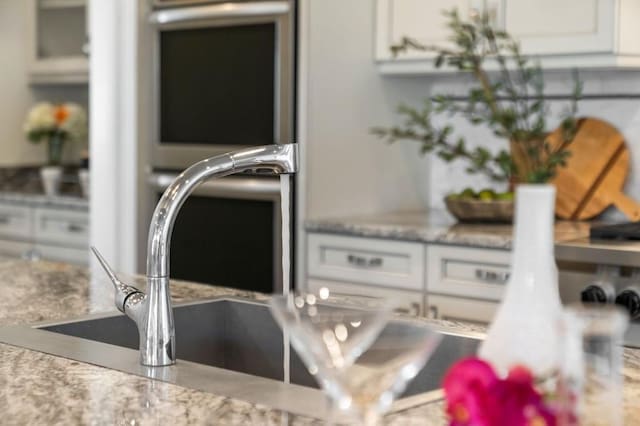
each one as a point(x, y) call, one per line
point(465, 386)
point(476, 396)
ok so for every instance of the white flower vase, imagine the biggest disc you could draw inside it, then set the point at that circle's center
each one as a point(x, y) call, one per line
point(524, 330)
point(83, 177)
point(51, 177)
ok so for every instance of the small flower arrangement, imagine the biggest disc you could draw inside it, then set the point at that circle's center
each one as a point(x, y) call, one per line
point(56, 124)
point(476, 396)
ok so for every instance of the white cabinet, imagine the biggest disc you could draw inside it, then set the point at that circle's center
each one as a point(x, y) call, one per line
point(460, 309)
point(62, 227)
point(421, 20)
point(561, 33)
point(407, 302)
point(15, 222)
point(368, 267)
point(561, 26)
point(467, 272)
point(58, 41)
point(62, 254)
point(465, 284)
point(369, 261)
point(44, 232)
point(442, 281)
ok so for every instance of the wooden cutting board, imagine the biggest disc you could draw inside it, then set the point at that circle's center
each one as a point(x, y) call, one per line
point(595, 173)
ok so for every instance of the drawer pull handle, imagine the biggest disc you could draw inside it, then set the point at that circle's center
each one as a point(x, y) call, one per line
point(364, 262)
point(492, 276)
point(413, 309)
point(75, 228)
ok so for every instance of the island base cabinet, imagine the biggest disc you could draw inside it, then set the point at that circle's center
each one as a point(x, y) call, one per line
point(408, 302)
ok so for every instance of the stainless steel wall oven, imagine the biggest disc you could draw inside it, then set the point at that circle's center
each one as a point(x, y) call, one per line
point(223, 80)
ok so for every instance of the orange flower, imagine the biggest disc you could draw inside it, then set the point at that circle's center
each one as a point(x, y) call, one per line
point(60, 113)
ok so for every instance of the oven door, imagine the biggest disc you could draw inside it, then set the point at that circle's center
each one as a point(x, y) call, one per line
point(222, 80)
point(228, 233)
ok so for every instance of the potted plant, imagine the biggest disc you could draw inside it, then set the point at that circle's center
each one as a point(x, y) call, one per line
point(508, 98)
point(55, 124)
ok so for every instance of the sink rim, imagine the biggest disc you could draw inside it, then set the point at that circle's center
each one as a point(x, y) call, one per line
point(275, 394)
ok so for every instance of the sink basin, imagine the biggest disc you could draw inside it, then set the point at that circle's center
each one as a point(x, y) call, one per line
point(226, 346)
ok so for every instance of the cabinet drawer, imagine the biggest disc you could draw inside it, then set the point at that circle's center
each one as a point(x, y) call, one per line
point(467, 272)
point(408, 302)
point(366, 260)
point(63, 254)
point(460, 309)
point(62, 227)
point(14, 249)
point(15, 222)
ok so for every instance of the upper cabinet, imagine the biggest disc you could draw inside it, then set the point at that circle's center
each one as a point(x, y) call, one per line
point(58, 42)
point(561, 33)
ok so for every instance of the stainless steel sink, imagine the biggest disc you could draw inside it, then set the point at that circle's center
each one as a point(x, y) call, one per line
point(227, 346)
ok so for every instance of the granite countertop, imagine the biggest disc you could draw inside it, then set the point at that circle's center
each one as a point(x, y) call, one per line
point(36, 388)
point(434, 226)
point(67, 202)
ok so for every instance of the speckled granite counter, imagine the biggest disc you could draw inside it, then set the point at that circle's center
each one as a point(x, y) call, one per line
point(434, 227)
point(36, 388)
point(40, 200)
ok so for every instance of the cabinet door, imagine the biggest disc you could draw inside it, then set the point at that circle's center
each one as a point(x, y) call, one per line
point(408, 302)
point(460, 309)
point(57, 41)
point(421, 20)
point(560, 26)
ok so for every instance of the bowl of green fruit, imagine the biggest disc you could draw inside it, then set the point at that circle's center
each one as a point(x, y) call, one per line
point(486, 206)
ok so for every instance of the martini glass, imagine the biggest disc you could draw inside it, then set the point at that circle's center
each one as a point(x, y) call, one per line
point(360, 357)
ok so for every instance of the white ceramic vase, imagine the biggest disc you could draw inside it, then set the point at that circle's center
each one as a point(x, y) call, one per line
point(524, 330)
point(51, 177)
point(83, 177)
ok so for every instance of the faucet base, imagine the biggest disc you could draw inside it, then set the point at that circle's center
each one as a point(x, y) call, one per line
point(157, 332)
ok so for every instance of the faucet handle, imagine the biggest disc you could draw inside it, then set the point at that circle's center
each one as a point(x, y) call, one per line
point(123, 291)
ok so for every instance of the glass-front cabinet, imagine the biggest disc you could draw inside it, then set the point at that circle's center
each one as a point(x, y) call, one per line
point(59, 48)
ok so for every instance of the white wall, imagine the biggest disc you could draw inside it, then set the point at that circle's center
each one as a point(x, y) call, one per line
point(16, 96)
point(348, 170)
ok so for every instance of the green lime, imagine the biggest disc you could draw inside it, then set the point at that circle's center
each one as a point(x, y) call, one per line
point(487, 195)
point(468, 193)
point(505, 196)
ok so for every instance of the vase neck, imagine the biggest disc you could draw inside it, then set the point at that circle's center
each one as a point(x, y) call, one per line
point(533, 242)
point(55, 146)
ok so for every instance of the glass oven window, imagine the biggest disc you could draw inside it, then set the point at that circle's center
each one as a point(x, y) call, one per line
point(228, 242)
point(217, 85)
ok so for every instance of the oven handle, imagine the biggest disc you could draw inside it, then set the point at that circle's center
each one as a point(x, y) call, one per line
point(223, 10)
point(246, 188)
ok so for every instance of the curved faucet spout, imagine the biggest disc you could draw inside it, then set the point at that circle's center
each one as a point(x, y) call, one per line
point(273, 159)
point(157, 335)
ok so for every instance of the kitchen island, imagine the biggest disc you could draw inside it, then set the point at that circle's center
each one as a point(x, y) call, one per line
point(36, 388)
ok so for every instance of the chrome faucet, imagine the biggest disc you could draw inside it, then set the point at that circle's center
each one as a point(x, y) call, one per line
point(152, 311)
